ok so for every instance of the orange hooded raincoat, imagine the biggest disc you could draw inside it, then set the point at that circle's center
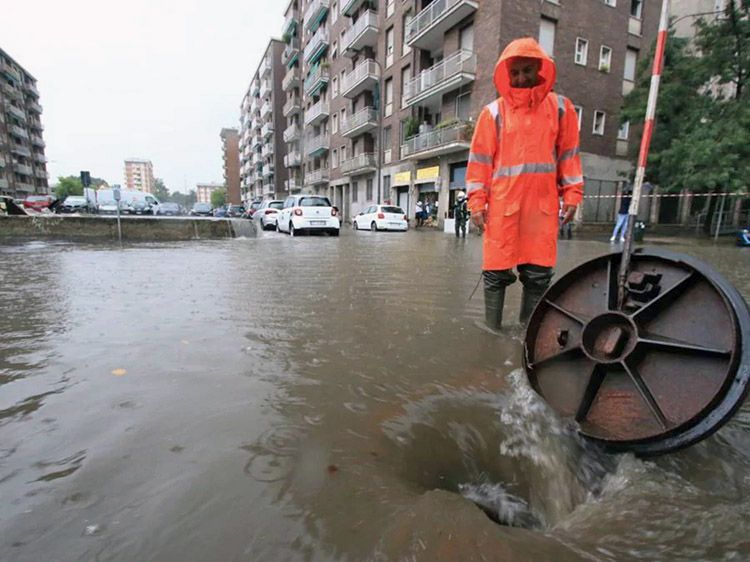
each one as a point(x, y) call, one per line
point(524, 157)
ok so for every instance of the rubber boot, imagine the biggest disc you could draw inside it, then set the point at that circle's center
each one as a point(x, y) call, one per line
point(494, 300)
point(535, 280)
point(529, 300)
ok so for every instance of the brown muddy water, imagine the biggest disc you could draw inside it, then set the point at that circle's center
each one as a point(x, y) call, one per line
point(317, 399)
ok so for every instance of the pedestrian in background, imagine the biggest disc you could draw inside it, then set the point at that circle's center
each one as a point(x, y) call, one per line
point(621, 225)
point(419, 213)
point(524, 155)
point(460, 214)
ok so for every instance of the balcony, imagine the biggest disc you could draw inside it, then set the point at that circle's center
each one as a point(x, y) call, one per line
point(33, 106)
point(265, 68)
point(316, 80)
point(268, 170)
point(268, 188)
point(36, 140)
point(290, 26)
point(20, 150)
point(41, 174)
point(363, 77)
point(360, 123)
point(437, 142)
point(10, 72)
point(317, 46)
point(293, 160)
point(11, 91)
point(291, 53)
point(634, 26)
point(318, 145)
point(31, 88)
point(35, 125)
point(3, 183)
point(15, 111)
point(292, 185)
point(318, 113)
point(292, 106)
point(315, 14)
point(267, 150)
point(39, 158)
point(317, 177)
point(18, 131)
point(292, 79)
point(265, 89)
point(360, 164)
point(266, 110)
point(2, 161)
point(257, 141)
point(426, 30)
point(292, 133)
point(23, 186)
point(350, 7)
point(266, 130)
point(449, 74)
point(22, 169)
point(363, 33)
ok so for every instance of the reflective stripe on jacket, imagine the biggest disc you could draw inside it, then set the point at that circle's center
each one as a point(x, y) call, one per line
point(524, 157)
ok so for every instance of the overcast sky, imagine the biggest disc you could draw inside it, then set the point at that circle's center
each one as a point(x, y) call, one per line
point(151, 79)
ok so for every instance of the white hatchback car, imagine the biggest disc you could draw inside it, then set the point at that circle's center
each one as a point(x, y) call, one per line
point(308, 213)
point(381, 217)
point(267, 213)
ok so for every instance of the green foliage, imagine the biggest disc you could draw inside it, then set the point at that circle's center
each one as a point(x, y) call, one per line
point(702, 135)
point(160, 190)
point(411, 127)
point(185, 199)
point(70, 185)
point(219, 198)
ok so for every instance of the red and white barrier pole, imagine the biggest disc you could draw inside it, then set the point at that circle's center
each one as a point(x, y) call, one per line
point(648, 131)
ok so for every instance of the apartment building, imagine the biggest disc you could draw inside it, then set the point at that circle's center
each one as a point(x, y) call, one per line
point(686, 14)
point(231, 155)
point(139, 174)
point(397, 85)
point(203, 191)
point(262, 147)
point(23, 166)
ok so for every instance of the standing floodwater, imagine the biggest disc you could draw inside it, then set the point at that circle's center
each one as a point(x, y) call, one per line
point(317, 399)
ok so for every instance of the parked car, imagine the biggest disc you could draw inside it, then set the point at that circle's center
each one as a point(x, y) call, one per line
point(220, 212)
point(169, 209)
point(75, 204)
point(266, 214)
point(110, 207)
point(248, 214)
point(235, 210)
point(38, 202)
point(308, 213)
point(381, 217)
point(201, 210)
point(140, 207)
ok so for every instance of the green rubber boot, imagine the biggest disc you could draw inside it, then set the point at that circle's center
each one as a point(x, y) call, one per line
point(494, 300)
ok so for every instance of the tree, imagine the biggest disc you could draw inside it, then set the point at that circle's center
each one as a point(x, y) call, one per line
point(70, 185)
point(184, 199)
point(218, 198)
point(160, 190)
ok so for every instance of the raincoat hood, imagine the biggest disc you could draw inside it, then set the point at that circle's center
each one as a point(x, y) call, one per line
point(525, 47)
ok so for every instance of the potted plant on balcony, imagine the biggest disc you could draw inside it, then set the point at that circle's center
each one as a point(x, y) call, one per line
point(411, 127)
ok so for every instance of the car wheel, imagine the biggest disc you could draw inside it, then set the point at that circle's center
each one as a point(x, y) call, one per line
point(354, 225)
point(335, 232)
point(278, 228)
point(292, 232)
point(374, 227)
point(262, 225)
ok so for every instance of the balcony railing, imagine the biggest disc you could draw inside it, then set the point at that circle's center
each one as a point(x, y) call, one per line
point(426, 30)
point(265, 89)
point(318, 77)
point(363, 33)
point(318, 145)
point(449, 74)
point(23, 186)
point(40, 174)
point(266, 130)
point(363, 76)
point(349, 7)
point(291, 78)
point(39, 158)
point(15, 111)
point(22, 169)
point(292, 105)
point(362, 163)
point(361, 122)
point(3, 183)
point(20, 150)
point(268, 188)
point(291, 53)
point(293, 160)
point(31, 87)
point(266, 109)
point(18, 131)
point(290, 25)
point(36, 140)
point(268, 170)
point(317, 177)
point(437, 142)
point(265, 68)
point(317, 46)
point(293, 184)
point(11, 91)
point(316, 12)
point(317, 113)
point(267, 150)
point(10, 71)
point(291, 133)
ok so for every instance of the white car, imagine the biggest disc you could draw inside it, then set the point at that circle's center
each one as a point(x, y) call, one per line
point(381, 217)
point(308, 213)
point(266, 214)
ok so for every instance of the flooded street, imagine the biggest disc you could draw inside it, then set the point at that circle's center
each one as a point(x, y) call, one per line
point(314, 399)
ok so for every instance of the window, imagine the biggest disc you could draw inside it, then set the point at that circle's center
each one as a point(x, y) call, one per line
point(599, 119)
point(579, 113)
point(335, 86)
point(624, 131)
point(368, 190)
point(334, 12)
point(405, 49)
point(631, 60)
point(335, 123)
point(582, 51)
point(343, 115)
point(605, 58)
point(389, 47)
point(343, 153)
point(405, 79)
point(335, 158)
point(388, 97)
point(390, 8)
point(386, 138)
point(547, 35)
point(466, 38)
point(463, 107)
point(355, 191)
point(334, 50)
point(612, 3)
point(636, 8)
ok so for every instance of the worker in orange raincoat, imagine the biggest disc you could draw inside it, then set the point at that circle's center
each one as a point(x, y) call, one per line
point(524, 157)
